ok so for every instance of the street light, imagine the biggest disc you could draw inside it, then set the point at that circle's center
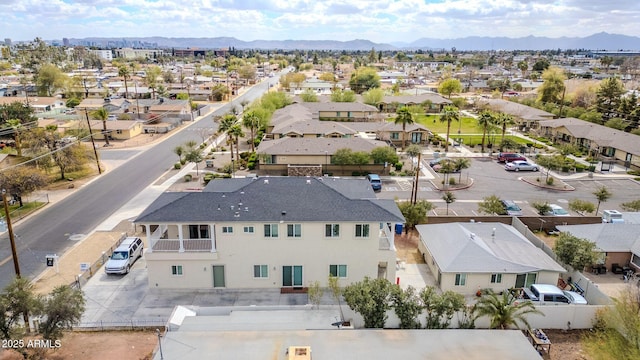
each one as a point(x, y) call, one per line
point(160, 343)
point(326, 162)
point(12, 240)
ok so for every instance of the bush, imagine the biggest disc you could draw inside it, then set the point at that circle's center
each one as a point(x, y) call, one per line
point(177, 166)
point(251, 165)
point(452, 181)
point(188, 178)
point(203, 145)
point(398, 166)
point(633, 172)
point(550, 181)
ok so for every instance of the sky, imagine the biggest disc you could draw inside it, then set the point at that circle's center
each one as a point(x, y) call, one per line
point(381, 21)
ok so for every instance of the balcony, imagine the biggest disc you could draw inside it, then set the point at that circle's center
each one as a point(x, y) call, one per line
point(385, 239)
point(173, 245)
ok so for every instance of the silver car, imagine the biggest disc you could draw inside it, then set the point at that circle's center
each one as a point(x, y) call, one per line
point(520, 165)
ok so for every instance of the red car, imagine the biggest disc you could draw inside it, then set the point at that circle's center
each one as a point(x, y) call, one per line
point(510, 157)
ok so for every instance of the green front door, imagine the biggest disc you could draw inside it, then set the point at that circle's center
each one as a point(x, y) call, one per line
point(218, 276)
point(292, 275)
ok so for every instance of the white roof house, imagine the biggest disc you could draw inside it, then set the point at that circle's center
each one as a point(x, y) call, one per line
point(466, 257)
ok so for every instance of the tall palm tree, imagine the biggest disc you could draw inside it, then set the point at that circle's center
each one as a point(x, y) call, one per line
point(226, 123)
point(504, 120)
point(251, 121)
point(102, 114)
point(235, 133)
point(461, 164)
point(404, 117)
point(504, 311)
point(125, 72)
point(449, 114)
point(448, 198)
point(602, 194)
point(485, 120)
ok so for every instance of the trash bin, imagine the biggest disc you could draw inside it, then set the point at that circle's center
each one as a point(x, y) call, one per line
point(398, 229)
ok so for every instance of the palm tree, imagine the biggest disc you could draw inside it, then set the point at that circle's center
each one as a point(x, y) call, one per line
point(251, 121)
point(602, 194)
point(404, 117)
point(449, 113)
point(504, 311)
point(226, 123)
point(236, 132)
point(193, 153)
point(461, 164)
point(179, 150)
point(504, 120)
point(102, 114)
point(125, 73)
point(448, 198)
point(485, 120)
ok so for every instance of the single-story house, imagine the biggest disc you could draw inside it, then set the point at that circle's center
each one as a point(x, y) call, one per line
point(390, 104)
point(526, 117)
point(467, 257)
point(270, 232)
point(616, 144)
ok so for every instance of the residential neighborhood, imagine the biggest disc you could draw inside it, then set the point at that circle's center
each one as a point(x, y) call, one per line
point(288, 198)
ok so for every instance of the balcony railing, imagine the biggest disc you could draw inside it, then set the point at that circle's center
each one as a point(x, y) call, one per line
point(173, 245)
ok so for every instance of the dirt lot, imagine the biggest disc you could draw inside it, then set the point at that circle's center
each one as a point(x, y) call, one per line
point(124, 345)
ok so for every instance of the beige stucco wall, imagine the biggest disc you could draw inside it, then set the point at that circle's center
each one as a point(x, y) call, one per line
point(477, 281)
point(239, 252)
point(303, 159)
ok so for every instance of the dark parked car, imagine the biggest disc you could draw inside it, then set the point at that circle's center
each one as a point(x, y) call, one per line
point(510, 157)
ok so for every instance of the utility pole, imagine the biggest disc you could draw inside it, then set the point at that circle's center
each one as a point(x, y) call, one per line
point(93, 143)
point(12, 239)
point(414, 188)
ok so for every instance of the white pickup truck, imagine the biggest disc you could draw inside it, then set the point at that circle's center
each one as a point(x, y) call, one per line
point(544, 294)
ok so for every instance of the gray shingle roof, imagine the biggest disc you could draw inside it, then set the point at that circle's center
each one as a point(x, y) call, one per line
point(415, 99)
point(316, 146)
point(518, 110)
point(470, 247)
point(273, 199)
point(607, 237)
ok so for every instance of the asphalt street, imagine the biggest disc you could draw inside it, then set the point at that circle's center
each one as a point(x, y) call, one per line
point(56, 228)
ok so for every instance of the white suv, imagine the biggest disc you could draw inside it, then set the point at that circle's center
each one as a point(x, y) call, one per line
point(124, 256)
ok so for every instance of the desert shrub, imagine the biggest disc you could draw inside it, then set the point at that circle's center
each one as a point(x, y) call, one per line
point(177, 166)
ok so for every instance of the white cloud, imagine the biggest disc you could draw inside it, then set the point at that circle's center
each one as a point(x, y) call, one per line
point(376, 20)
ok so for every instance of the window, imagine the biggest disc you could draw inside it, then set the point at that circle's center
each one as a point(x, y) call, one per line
point(496, 278)
point(118, 131)
point(227, 229)
point(395, 136)
point(362, 230)
point(461, 279)
point(198, 231)
point(270, 230)
point(339, 271)
point(332, 230)
point(525, 280)
point(248, 229)
point(176, 270)
point(294, 230)
point(260, 271)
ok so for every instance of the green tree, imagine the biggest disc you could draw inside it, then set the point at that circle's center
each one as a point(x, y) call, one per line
point(486, 120)
point(552, 89)
point(617, 331)
point(193, 153)
point(102, 114)
point(22, 180)
point(504, 120)
point(62, 309)
point(449, 114)
point(504, 311)
point(364, 79)
point(575, 252)
point(373, 96)
point(179, 150)
point(124, 71)
point(17, 300)
point(236, 133)
point(315, 293)
point(384, 154)
point(251, 120)
point(542, 207)
point(461, 164)
point(407, 305)
point(50, 79)
point(16, 110)
point(371, 299)
point(491, 205)
point(541, 65)
point(309, 96)
point(404, 117)
point(549, 163)
point(448, 198)
point(602, 194)
point(633, 205)
point(343, 96)
point(523, 66)
point(440, 308)
point(414, 214)
point(413, 151)
point(227, 122)
point(608, 97)
point(16, 125)
point(342, 156)
point(449, 86)
point(582, 206)
point(153, 72)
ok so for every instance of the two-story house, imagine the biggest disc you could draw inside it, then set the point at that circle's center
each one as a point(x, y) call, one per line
point(272, 232)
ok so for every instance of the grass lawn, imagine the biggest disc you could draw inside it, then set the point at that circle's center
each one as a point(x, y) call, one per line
point(18, 212)
point(433, 123)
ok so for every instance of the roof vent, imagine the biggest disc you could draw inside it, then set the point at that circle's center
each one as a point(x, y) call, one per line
point(472, 236)
point(219, 207)
point(246, 208)
point(284, 213)
point(308, 181)
point(266, 181)
point(237, 214)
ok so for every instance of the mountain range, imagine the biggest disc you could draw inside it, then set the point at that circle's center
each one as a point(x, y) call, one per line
point(599, 41)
